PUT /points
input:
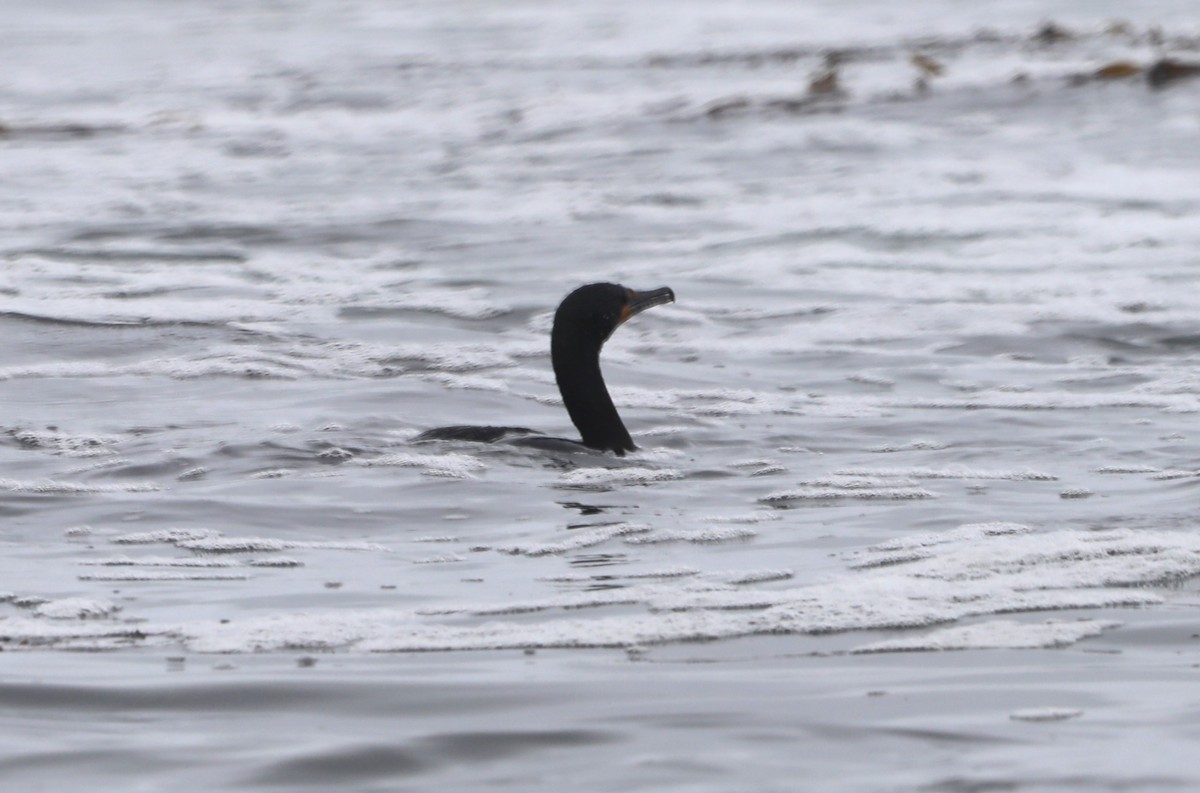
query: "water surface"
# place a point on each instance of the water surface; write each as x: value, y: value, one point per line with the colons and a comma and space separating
x: 915, y: 501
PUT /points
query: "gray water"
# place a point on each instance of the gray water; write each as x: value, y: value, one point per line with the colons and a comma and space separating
x: 915, y: 501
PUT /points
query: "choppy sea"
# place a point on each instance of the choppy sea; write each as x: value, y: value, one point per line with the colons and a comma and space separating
x: 916, y: 501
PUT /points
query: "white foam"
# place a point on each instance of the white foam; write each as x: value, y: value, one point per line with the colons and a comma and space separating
x: 248, y: 544
x: 273, y: 473
x: 33, y: 633
x: 711, y: 402
x: 655, y: 454
x: 967, y: 531
x: 707, y: 536
x: 468, y: 382
x: 663, y: 430
x: 753, y: 463
x: 68, y: 445
x: 446, y: 558
x: 164, y: 536
x: 755, y: 576
x: 914, y: 445
x: 99, y: 465
x: 51, y: 487
x: 156, y: 561
x: 567, y: 601
x: 888, y: 559
x: 949, y: 472
x: 215, y: 364
x: 665, y: 573
x: 1176, y: 474
x: 1118, y: 557
x: 606, y: 478
x: 576, y: 539
x: 76, y: 608
x: 759, y: 405
x: 769, y: 470
x: 163, y: 576
x: 841, y: 494
x: 852, y: 482
x: 982, y: 570
x: 452, y: 466
x: 995, y: 635
x: 761, y: 516
x: 1026, y: 235
x: 1055, y: 400
x: 1075, y: 492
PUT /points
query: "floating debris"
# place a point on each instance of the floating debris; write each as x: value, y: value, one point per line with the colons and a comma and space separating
x: 1169, y: 70
x: 1051, y: 33
x: 1117, y: 70
x: 825, y: 83
x: 926, y: 65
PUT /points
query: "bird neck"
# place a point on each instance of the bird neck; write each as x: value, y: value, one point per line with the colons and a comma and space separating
x: 577, y: 370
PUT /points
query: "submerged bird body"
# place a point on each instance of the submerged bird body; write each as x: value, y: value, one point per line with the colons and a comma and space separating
x: 584, y: 321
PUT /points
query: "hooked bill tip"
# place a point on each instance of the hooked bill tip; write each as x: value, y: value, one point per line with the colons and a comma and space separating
x: 640, y: 301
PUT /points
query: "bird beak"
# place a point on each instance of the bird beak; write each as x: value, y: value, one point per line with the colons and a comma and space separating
x: 640, y: 301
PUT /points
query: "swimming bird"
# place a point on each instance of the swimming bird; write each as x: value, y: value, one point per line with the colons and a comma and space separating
x: 584, y: 321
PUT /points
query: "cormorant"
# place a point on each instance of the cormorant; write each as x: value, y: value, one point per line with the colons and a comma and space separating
x: 584, y: 321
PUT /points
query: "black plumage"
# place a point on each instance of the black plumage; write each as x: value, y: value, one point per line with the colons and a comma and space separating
x: 583, y: 322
